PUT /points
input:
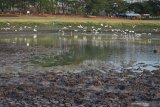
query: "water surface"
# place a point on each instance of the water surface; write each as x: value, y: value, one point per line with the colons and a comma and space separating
x: 75, y: 48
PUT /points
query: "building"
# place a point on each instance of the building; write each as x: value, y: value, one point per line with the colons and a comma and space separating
x: 133, y: 1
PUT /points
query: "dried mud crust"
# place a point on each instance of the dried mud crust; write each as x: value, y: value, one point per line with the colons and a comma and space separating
x: 85, y: 89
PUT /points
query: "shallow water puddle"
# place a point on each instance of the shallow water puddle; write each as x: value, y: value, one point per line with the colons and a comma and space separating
x: 55, y: 49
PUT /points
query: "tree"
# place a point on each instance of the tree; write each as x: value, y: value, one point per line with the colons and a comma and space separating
x: 147, y: 9
x: 2, y: 5
x: 78, y: 7
x: 93, y: 7
x: 155, y: 7
x: 115, y: 6
x: 136, y: 7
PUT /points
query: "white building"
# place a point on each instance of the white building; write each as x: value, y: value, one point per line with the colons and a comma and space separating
x: 133, y: 1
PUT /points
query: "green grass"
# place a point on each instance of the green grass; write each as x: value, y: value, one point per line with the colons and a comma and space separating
x: 58, y: 60
x: 77, y: 21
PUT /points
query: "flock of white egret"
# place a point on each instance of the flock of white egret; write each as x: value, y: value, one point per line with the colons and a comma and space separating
x: 9, y: 27
x: 96, y: 31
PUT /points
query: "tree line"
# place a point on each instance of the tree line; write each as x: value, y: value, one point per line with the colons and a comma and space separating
x: 78, y: 7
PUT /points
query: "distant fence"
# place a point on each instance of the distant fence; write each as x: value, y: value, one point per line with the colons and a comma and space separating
x: 151, y: 18
x: 141, y: 18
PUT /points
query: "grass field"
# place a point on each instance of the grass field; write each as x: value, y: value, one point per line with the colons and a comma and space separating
x: 47, y: 20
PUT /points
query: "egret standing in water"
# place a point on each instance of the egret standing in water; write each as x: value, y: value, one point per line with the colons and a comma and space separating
x: 80, y: 26
x: 75, y: 30
x: 35, y: 30
x: 69, y: 26
x: 156, y: 29
x: 149, y: 34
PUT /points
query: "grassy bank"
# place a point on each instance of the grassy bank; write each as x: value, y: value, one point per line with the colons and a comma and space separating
x: 58, y: 22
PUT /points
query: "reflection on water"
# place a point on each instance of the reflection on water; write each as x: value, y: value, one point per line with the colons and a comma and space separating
x: 116, y: 48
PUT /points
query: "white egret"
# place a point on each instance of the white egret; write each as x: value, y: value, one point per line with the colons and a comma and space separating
x: 8, y: 24
x: 155, y: 29
x: 133, y: 26
x: 99, y: 29
x: 144, y: 33
x: 80, y: 26
x: 138, y: 35
x: 149, y: 34
x: 65, y: 28
x: 76, y: 30
x: 126, y: 30
x: 130, y: 31
x: 35, y: 30
x: 106, y: 26
x: 112, y: 30
x: 20, y: 29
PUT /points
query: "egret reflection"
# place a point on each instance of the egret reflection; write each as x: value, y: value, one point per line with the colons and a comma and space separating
x: 108, y: 47
x: 27, y: 44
